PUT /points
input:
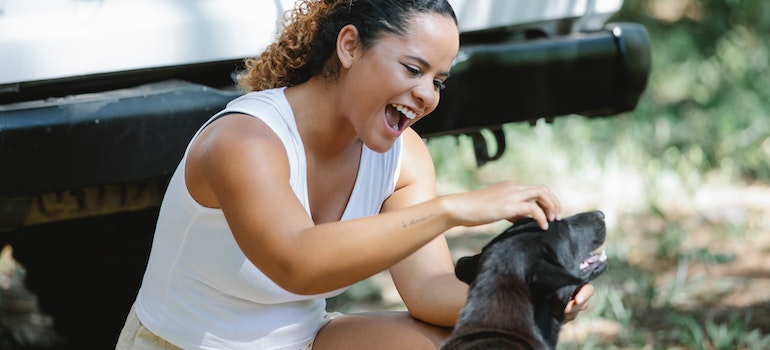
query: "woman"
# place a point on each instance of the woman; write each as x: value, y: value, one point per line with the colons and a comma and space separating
x: 314, y: 181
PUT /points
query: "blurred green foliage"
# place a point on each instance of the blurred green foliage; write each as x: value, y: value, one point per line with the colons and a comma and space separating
x: 708, y: 98
x: 706, y: 109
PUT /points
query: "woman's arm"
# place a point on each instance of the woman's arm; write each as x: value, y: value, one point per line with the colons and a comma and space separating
x: 239, y: 165
x: 425, y: 280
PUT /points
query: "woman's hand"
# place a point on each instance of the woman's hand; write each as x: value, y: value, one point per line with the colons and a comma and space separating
x: 505, y: 201
x: 579, y: 302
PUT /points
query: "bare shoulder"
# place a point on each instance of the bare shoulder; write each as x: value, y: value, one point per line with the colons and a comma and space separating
x: 233, y: 130
x: 229, y: 151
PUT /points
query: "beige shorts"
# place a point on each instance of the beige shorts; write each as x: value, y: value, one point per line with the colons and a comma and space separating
x: 135, y: 337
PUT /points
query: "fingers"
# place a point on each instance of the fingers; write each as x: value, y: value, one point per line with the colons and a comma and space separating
x: 583, y: 293
x: 505, y: 201
x: 540, y: 204
x: 550, y: 205
x: 539, y: 214
x: 573, y: 309
x: 579, y: 302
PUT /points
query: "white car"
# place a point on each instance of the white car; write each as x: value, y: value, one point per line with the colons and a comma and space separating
x: 48, y: 40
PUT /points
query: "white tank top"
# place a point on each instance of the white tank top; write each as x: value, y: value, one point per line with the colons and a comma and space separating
x: 199, y: 291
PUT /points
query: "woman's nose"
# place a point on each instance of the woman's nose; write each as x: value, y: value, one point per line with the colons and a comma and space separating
x: 426, y: 93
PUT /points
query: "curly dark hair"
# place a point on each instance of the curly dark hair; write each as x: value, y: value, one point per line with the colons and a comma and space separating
x: 307, y: 42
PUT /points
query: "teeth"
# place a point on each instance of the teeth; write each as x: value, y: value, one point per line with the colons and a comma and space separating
x: 405, y: 111
x: 601, y: 257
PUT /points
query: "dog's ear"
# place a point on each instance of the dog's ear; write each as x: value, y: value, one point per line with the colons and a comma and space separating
x: 522, y: 226
x: 547, y: 277
x: 467, y: 268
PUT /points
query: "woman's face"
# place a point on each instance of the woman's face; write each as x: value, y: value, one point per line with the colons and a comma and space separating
x: 397, y: 81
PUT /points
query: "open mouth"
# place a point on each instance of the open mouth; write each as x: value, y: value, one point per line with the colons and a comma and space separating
x: 398, y: 116
x: 594, y: 264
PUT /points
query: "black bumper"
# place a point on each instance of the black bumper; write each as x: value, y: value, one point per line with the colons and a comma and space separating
x: 139, y: 133
x: 593, y: 74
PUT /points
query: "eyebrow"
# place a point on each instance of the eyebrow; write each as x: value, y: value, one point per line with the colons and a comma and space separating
x: 425, y: 63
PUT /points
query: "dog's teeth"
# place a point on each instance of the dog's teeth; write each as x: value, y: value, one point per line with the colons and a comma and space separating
x: 593, y: 259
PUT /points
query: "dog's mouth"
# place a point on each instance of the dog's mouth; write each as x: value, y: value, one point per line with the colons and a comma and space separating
x: 593, y: 265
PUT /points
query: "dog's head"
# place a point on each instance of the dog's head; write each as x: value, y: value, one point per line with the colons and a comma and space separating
x: 553, y: 262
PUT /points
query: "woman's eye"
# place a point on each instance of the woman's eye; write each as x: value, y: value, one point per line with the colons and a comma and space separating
x: 412, y: 70
x: 415, y: 72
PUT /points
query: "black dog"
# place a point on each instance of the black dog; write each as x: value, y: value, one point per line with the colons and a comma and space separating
x: 521, y: 282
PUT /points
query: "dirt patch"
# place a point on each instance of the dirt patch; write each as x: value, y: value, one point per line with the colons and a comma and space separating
x: 708, y: 260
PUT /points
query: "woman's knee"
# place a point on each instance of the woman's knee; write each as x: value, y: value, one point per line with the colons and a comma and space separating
x: 379, y: 330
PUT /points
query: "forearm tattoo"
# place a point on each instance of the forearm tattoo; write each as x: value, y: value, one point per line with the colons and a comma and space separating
x: 414, y: 221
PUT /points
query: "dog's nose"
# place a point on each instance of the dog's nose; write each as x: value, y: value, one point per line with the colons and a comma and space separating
x: 597, y: 214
